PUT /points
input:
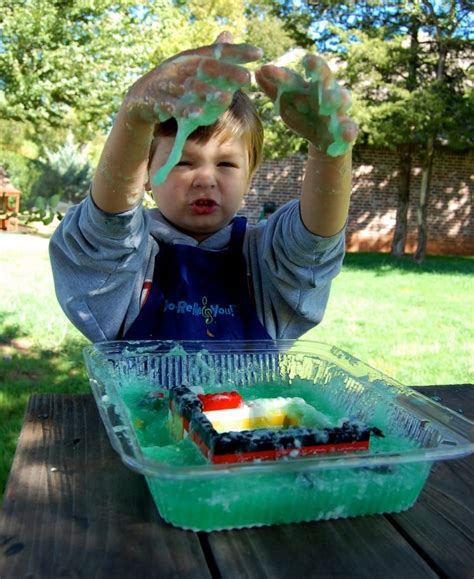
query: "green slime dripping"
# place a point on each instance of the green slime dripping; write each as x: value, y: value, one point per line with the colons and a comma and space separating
x: 327, y: 107
x: 212, y: 110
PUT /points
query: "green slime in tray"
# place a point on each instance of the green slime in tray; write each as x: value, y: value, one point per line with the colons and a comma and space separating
x: 225, y: 501
x: 152, y: 426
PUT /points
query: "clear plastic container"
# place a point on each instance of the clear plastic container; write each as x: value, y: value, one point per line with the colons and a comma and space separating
x: 194, y: 494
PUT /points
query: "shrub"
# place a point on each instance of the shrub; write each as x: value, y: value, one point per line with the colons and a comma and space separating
x: 65, y: 172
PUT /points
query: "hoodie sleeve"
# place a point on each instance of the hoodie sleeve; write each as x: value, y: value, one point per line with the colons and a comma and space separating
x: 95, y: 259
x: 291, y: 271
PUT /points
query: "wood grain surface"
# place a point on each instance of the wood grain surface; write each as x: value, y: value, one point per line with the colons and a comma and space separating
x: 72, y: 509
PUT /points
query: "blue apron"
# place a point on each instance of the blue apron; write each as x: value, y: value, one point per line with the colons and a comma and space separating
x: 198, y: 294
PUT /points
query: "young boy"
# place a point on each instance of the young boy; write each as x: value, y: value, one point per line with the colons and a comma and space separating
x: 191, y: 269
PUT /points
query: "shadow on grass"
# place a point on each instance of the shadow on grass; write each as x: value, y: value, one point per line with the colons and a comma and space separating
x: 27, y: 369
x: 384, y: 263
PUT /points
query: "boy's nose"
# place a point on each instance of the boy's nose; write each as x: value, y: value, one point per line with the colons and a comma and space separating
x: 205, y: 177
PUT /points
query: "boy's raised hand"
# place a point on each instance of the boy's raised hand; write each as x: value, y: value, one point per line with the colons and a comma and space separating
x: 315, y: 107
x: 193, y: 83
x: 195, y: 87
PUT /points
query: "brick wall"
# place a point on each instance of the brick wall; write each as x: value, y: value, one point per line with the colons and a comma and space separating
x: 374, y: 199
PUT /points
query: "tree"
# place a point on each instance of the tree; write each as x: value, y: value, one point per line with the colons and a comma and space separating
x: 65, y: 66
x: 444, y: 22
x: 383, y: 75
x: 407, y: 66
x: 296, y: 20
x: 62, y: 55
x: 267, y: 30
x: 65, y: 171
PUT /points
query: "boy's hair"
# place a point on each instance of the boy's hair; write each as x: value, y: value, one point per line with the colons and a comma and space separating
x: 240, y: 119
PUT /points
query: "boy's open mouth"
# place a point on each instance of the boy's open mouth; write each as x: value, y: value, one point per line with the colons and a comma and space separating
x: 203, y: 206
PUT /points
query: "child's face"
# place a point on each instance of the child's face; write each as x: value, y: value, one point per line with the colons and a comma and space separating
x: 206, y: 188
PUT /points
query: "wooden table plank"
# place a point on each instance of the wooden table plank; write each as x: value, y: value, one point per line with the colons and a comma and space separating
x: 435, y: 536
x: 72, y: 509
x: 458, y: 397
x: 444, y: 514
x: 359, y: 547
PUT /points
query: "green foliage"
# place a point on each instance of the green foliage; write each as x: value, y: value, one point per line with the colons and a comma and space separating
x: 65, y: 66
x: 407, y: 64
x: 408, y: 74
x: 65, y: 172
x: 57, y: 56
x: 267, y: 31
x: 460, y: 120
x: 63, y: 175
x: 296, y: 20
x: 17, y: 154
x: 22, y: 172
x: 280, y: 141
x: 42, y: 210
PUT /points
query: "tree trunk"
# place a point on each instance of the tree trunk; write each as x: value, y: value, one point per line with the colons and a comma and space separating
x: 405, y: 151
x: 401, y: 226
x: 420, y: 252
x: 421, y: 214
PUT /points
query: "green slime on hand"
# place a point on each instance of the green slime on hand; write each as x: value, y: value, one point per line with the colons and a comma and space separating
x: 212, y: 110
x: 329, y: 108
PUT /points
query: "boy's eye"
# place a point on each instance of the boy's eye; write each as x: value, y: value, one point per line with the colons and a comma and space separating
x: 183, y: 163
x: 227, y: 164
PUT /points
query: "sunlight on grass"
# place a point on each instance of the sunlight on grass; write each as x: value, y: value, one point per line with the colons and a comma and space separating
x: 410, y: 322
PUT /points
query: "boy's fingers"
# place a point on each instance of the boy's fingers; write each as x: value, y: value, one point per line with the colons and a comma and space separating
x: 189, y: 111
x: 346, y: 127
x: 217, y: 70
x: 191, y: 66
x: 164, y: 110
x: 232, y: 53
x: 166, y: 107
x: 346, y: 99
x: 198, y: 87
x: 205, y: 91
x: 184, y: 66
x: 349, y: 129
x: 281, y: 75
x: 301, y: 104
x: 170, y: 87
x: 270, y: 77
x: 330, y: 101
x: 266, y: 84
x: 317, y: 67
x: 224, y: 36
x: 219, y: 98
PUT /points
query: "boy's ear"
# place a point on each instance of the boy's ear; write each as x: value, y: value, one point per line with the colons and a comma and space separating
x: 148, y: 184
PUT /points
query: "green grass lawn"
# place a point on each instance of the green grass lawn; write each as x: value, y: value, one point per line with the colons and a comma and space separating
x: 414, y: 323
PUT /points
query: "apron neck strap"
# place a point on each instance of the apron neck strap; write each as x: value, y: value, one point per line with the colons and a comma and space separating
x: 239, y: 226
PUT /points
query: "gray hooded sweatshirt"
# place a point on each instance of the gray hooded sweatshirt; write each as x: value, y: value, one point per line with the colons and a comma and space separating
x: 101, y: 261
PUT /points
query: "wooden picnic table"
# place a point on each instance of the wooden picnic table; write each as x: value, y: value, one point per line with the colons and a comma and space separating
x: 72, y: 509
